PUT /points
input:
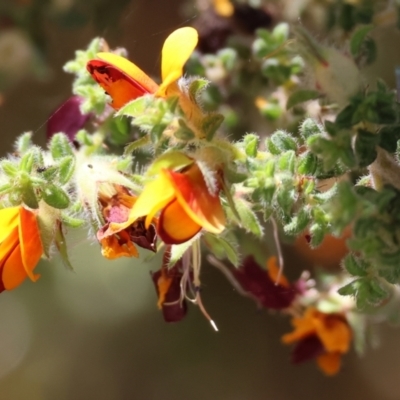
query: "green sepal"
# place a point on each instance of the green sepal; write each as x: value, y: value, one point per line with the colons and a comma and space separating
x: 173, y: 160
x: 250, y: 142
x: 301, y: 96
x: 298, y: 223
x: 210, y: 124
x: 178, y: 250
x: 287, y: 161
x: 9, y: 168
x: 317, y: 233
x: 283, y: 141
x: 66, y: 168
x: 61, y: 245
x: 358, y: 38
x: 137, y: 107
x: 137, y: 144
x: 27, y: 161
x: 365, y: 147
x: 196, y: 87
x: 55, y: 196
x: 23, y: 143
x: 27, y: 191
x: 184, y: 132
x: 389, y: 137
x: 222, y: 247
x: 248, y: 217
x: 307, y: 164
x: 60, y: 146
x: 72, y: 221
x: 6, y: 188
x: 355, y: 266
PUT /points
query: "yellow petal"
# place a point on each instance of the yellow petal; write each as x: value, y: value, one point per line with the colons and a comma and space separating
x: 175, y: 226
x: 155, y: 196
x: 30, y: 242
x: 8, y: 221
x: 177, y: 49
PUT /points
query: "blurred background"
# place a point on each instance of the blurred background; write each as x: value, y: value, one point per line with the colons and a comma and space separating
x: 96, y: 333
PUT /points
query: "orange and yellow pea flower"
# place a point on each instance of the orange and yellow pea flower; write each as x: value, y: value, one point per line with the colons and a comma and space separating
x: 186, y: 203
x: 331, y: 331
x: 20, y: 246
x: 124, y: 81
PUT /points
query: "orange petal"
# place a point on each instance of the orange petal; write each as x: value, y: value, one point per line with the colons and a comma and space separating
x: 13, y: 271
x: 334, y: 333
x: 224, y: 8
x: 274, y: 272
x: 193, y: 195
x: 175, y: 225
x: 329, y: 363
x: 30, y: 242
x: 120, y: 78
x: 303, y: 327
x: 177, y: 49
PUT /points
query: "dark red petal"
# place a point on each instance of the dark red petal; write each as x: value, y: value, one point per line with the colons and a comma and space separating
x: 256, y: 281
x: 173, y: 308
x: 67, y: 119
x: 307, y: 349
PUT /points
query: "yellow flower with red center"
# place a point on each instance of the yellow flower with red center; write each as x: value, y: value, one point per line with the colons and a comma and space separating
x: 187, y: 200
x: 20, y: 246
x: 322, y: 336
x: 124, y: 81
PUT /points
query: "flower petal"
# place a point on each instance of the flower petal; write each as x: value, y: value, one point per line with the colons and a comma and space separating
x: 175, y: 226
x: 30, y: 242
x: 156, y: 195
x: 194, y: 197
x: 120, y: 78
x: 329, y: 363
x: 8, y: 221
x: 13, y: 271
x: 307, y: 349
x: 334, y: 333
x: 177, y: 49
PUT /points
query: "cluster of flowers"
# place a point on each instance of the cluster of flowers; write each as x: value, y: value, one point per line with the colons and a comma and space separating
x: 185, y: 197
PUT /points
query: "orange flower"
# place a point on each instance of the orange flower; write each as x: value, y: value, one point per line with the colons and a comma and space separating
x: 224, y: 8
x: 20, y: 246
x: 124, y: 81
x: 322, y: 336
x: 187, y: 203
x: 120, y: 240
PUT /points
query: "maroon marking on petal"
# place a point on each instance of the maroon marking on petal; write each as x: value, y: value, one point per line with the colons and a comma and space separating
x: 67, y: 118
x: 256, y: 280
x: 307, y: 349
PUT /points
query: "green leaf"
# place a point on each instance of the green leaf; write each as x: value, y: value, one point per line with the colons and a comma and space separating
x: 365, y: 147
x: 184, y: 132
x: 388, y: 138
x: 358, y: 38
x: 137, y: 107
x: 137, y: 144
x: 27, y: 191
x: 222, y: 248
x: 23, y: 143
x: 66, y: 169
x: 210, y: 124
x: 9, y: 168
x: 178, y: 250
x: 283, y: 141
x: 55, y: 196
x: 60, y: 146
x: 301, y: 96
x: 170, y: 160
x: 354, y: 265
x: 250, y: 142
x: 307, y: 163
x: 298, y: 223
x: 196, y: 87
x: 248, y: 217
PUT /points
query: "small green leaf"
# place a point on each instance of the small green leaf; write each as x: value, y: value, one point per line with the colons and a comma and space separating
x: 210, y: 124
x: 55, y: 196
x: 9, y: 168
x: 178, y: 250
x: 222, y: 248
x: 250, y: 142
x: 137, y: 144
x: 358, y: 38
x: 66, y: 169
x: 301, y: 96
x: 60, y: 146
x: 23, y: 143
x: 283, y: 141
x: 27, y: 191
x: 355, y: 266
x: 170, y: 160
x: 248, y: 217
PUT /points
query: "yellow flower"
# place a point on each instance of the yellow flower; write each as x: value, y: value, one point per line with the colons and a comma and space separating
x: 20, y: 246
x: 124, y: 81
x: 187, y: 204
x: 324, y: 336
